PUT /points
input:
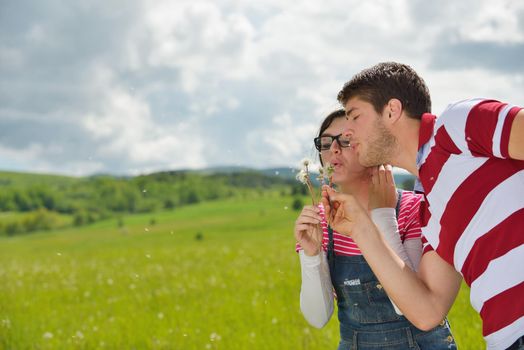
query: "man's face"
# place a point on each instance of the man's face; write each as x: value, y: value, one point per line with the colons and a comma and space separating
x: 370, y: 137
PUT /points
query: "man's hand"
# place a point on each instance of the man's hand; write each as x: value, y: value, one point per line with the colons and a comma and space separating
x: 343, y: 211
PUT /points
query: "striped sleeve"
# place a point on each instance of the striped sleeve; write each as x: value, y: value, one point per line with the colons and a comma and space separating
x: 409, y: 216
x: 426, y: 247
x: 480, y: 128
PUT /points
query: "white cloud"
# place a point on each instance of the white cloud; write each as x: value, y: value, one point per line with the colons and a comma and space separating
x: 175, y: 84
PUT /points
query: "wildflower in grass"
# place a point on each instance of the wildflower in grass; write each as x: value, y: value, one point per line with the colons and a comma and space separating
x: 79, y: 335
x: 6, y: 323
x: 47, y: 335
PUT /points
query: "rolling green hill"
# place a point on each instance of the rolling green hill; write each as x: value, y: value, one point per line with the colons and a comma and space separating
x: 214, y: 275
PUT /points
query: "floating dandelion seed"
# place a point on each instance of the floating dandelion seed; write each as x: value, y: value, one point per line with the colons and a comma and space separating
x: 160, y: 315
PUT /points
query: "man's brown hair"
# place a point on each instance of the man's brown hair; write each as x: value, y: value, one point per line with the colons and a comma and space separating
x: 384, y: 81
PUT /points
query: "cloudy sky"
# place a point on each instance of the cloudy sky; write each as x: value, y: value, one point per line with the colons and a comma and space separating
x: 135, y: 86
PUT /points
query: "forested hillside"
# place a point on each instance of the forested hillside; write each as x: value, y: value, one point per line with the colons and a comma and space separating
x: 30, y: 202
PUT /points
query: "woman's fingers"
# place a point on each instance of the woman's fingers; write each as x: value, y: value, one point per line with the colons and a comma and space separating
x: 303, y: 219
x: 389, y: 175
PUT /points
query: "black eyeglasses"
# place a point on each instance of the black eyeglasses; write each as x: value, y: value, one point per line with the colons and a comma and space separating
x: 323, y: 143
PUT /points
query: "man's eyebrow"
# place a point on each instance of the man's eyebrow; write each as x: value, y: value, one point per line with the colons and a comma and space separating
x: 349, y: 111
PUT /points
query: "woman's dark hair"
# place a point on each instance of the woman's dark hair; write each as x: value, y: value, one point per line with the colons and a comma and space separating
x: 339, y: 113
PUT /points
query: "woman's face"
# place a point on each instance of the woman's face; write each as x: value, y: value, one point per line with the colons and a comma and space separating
x: 344, y: 159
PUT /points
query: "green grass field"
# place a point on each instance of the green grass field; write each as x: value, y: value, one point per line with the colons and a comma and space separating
x: 156, y: 286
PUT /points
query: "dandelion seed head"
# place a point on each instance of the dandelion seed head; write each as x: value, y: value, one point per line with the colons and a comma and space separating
x: 302, y: 176
x: 305, y: 162
x: 329, y: 169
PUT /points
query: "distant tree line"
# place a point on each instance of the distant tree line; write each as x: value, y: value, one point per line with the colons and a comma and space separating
x: 86, y: 200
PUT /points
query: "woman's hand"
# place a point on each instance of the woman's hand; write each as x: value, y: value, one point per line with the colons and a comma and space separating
x: 382, y: 190
x: 343, y: 211
x: 308, y: 232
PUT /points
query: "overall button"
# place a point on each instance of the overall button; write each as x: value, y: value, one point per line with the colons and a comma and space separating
x: 379, y: 286
x: 449, y: 338
x: 443, y: 322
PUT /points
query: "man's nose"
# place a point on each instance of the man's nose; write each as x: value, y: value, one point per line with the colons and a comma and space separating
x: 348, y: 133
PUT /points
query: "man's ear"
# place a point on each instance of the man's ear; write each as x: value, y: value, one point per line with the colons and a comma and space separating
x: 393, y: 111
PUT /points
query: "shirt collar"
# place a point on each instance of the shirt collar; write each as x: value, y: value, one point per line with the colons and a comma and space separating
x: 427, y: 123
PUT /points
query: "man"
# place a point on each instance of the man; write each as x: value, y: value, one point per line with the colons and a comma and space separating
x: 470, y: 164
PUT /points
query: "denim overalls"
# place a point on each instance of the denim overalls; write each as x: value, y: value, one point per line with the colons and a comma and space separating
x: 367, y: 317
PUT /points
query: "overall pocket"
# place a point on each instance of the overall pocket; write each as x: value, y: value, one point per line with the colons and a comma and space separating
x: 367, y: 303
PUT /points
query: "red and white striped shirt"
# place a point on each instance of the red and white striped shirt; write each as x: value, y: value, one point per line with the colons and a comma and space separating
x: 408, y: 225
x: 473, y: 216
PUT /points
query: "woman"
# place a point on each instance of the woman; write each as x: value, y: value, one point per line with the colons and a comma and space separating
x: 329, y: 260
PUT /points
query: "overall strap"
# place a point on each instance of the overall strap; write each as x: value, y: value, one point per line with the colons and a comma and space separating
x: 397, y: 208
x: 331, y: 248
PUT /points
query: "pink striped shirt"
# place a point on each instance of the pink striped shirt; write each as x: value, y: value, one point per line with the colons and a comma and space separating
x: 408, y: 224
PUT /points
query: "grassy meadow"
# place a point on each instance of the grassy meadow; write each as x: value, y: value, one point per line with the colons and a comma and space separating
x: 215, y: 275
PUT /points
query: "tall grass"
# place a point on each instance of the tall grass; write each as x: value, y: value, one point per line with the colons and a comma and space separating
x: 219, y: 275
